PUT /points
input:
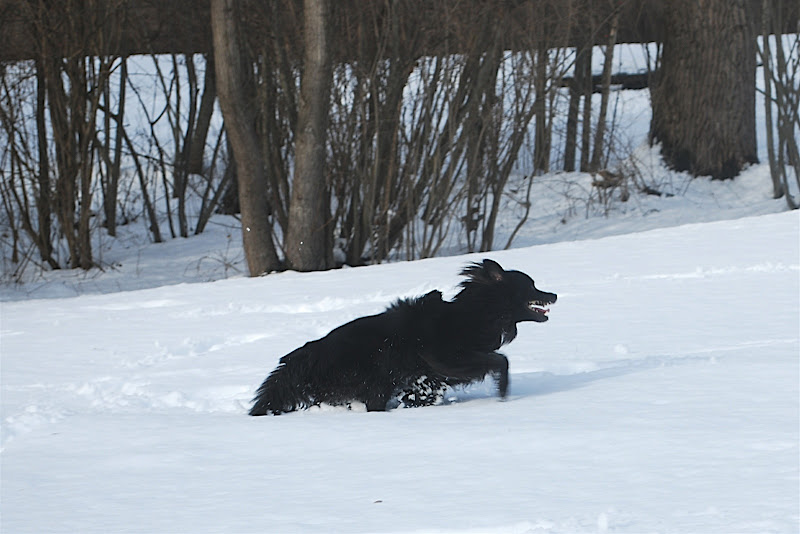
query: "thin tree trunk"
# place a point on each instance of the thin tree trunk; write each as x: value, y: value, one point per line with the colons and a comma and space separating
x: 600, y: 132
x: 788, y: 119
x: 114, y: 171
x: 586, y: 127
x: 541, y: 151
x: 259, y: 248
x: 575, y: 89
x: 66, y: 151
x: 766, y: 60
x: 307, y: 243
x: 43, y: 210
x: 148, y: 205
x: 198, y: 143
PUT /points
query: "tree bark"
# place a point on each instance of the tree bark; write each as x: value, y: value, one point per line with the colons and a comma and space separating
x: 586, y: 120
x: 541, y: 145
x: 114, y: 167
x: 576, y: 89
x: 44, y: 204
x: 307, y: 243
x: 703, y: 97
x: 259, y: 248
x: 600, y: 132
x: 204, y: 113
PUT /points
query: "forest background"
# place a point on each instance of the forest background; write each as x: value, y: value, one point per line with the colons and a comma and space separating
x: 346, y: 133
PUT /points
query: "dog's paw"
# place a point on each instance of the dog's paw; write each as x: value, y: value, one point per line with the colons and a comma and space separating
x: 423, y: 391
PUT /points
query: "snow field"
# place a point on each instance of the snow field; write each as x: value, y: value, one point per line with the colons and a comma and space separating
x: 662, y: 396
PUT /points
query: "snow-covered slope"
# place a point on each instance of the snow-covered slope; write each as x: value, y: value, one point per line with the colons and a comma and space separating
x: 662, y: 396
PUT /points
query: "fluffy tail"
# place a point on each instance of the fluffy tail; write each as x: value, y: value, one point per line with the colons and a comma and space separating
x: 285, y: 389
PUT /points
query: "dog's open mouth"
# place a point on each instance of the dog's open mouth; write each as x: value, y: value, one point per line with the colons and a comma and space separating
x: 539, y: 306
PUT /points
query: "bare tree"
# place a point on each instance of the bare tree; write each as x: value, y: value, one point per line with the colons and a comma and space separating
x: 379, y: 132
x: 600, y: 131
x: 111, y: 177
x: 781, y: 103
x: 256, y: 227
x: 307, y: 243
x: 73, y: 82
x: 577, y: 88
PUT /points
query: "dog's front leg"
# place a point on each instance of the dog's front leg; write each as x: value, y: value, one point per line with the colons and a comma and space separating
x: 470, y: 366
x: 376, y: 401
x: 501, y: 373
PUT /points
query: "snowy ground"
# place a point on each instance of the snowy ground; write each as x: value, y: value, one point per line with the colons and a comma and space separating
x: 662, y: 396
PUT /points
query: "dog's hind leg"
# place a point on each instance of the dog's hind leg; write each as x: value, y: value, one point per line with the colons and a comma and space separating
x: 287, y: 387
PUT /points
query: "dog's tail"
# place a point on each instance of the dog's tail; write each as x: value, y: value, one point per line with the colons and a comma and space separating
x: 286, y: 388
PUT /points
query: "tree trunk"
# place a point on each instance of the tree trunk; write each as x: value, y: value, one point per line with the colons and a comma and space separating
x: 200, y: 133
x: 586, y: 120
x: 307, y: 242
x: 576, y: 89
x: 44, y: 204
x: 112, y: 189
x: 259, y: 248
x: 703, y: 97
x: 600, y: 132
x: 541, y: 150
x: 766, y: 60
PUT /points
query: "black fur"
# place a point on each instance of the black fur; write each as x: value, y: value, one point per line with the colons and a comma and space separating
x: 410, y: 353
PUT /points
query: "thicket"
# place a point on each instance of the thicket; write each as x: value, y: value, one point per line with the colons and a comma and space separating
x: 427, y: 124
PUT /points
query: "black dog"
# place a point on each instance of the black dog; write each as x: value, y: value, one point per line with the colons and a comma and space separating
x: 409, y: 354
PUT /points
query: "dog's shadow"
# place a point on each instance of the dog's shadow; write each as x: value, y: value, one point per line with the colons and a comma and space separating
x: 534, y: 384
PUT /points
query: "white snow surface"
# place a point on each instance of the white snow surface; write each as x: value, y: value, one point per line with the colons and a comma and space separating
x: 662, y: 395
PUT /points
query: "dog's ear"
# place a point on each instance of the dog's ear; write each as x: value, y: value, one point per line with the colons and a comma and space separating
x: 493, y: 270
x: 487, y: 272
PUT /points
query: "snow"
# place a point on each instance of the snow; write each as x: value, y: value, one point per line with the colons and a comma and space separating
x: 662, y: 396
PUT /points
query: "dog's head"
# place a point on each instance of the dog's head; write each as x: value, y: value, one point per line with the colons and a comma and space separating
x: 513, y: 290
